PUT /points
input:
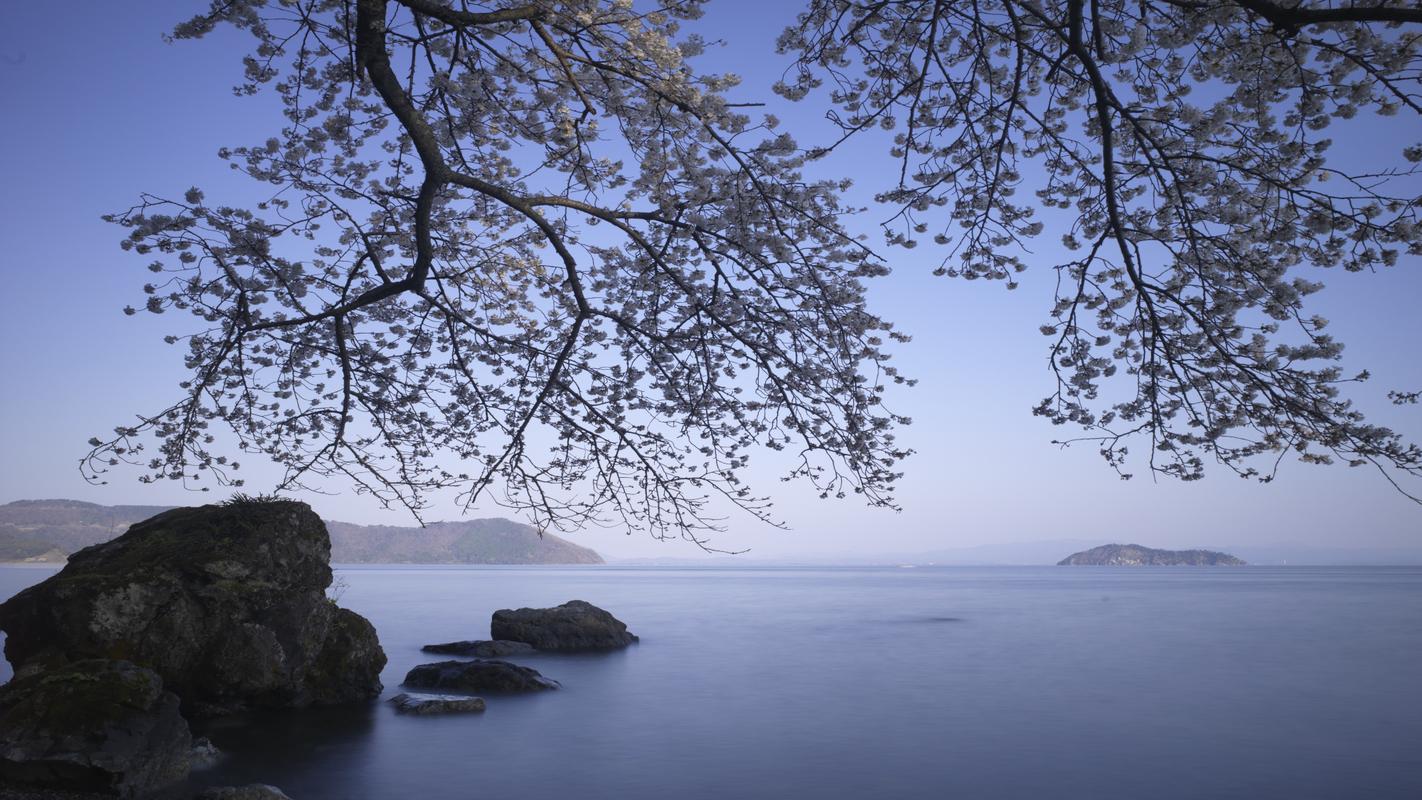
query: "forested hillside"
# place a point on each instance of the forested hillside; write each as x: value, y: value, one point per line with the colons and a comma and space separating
x: 49, y: 530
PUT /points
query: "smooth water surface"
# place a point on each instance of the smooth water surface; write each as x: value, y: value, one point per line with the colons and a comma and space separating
x: 1033, y: 682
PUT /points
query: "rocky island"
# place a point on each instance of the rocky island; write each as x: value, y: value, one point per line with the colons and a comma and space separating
x: 1134, y: 555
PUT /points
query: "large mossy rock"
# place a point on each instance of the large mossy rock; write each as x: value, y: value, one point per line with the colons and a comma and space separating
x: 100, y: 728
x: 575, y: 625
x: 227, y: 603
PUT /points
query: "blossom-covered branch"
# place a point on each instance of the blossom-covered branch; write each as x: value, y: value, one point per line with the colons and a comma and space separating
x: 522, y: 251
x: 1184, y: 145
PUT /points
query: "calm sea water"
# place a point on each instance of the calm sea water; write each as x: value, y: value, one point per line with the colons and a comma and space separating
x: 887, y: 683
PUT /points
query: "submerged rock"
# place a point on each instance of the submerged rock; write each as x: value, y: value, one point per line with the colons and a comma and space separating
x: 252, y: 791
x: 478, y: 676
x: 227, y: 603
x: 575, y: 625
x: 436, y: 704
x: 480, y: 648
x: 98, y: 727
x: 204, y: 753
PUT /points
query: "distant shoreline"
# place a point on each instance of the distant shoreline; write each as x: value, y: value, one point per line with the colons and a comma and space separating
x: 47, y: 531
x: 766, y: 566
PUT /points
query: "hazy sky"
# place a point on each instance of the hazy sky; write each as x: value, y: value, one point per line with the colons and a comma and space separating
x: 100, y: 108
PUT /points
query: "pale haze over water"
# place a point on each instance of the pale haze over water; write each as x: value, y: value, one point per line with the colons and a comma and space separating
x: 978, y: 682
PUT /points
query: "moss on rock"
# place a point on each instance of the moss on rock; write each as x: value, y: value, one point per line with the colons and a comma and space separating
x: 92, y: 726
x: 227, y: 603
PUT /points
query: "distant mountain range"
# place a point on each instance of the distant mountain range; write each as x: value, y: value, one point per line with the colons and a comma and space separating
x: 470, y: 541
x: 49, y: 530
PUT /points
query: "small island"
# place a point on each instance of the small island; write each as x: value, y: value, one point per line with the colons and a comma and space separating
x: 1134, y: 555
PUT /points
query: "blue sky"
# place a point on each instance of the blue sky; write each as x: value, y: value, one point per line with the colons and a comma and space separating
x: 100, y: 108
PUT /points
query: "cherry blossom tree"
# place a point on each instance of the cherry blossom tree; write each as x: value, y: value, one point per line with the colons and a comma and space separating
x: 527, y: 239
x: 1185, y: 146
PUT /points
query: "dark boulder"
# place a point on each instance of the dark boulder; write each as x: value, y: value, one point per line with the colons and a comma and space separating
x: 575, y: 625
x: 422, y: 705
x: 477, y: 676
x: 227, y: 603
x: 348, y: 666
x: 96, y: 728
x: 480, y: 648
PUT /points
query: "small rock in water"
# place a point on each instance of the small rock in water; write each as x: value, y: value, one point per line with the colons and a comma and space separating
x: 478, y: 676
x: 435, y: 704
x: 480, y: 648
x: 252, y: 791
x: 575, y: 625
x: 204, y: 753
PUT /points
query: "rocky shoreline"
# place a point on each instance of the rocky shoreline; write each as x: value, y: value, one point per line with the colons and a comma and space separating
x: 198, y: 613
x: 192, y: 614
